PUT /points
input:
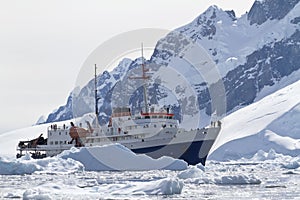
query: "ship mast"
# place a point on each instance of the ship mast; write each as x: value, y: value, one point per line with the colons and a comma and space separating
x: 144, y: 77
x: 96, y: 96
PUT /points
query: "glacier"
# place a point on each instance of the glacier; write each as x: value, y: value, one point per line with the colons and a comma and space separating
x: 270, y: 123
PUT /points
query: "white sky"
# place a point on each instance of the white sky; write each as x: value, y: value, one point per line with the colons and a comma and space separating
x: 44, y: 43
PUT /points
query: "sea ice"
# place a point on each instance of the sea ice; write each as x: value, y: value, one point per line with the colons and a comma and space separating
x: 35, y: 194
x: 292, y: 164
x: 27, y: 165
x: 191, y: 172
x: 166, y: 186
x: 237, y: 180
x: 117, y: 157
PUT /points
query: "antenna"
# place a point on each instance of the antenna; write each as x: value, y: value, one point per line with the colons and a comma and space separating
x: 144, y: 78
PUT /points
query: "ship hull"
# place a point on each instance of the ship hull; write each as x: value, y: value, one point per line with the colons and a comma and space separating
x: 192, y: 152
x: 191, y: 146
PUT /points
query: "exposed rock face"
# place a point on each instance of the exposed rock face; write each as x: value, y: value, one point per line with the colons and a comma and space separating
x: 263, y: 10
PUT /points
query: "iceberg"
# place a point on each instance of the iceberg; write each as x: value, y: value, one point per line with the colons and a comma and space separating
x: 116, y: 157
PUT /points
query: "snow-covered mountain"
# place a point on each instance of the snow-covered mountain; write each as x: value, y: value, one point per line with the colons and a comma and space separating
x: 252, y: 53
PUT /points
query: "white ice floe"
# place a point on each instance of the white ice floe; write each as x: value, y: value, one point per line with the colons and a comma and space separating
x: 109, y: 157
x: 33, y: 194
x: 292, y: 164
x: 191, y: 172
x: 239, y: 179
x: 221, y: 175
x: 263, y: 156
x: 167, y: 186
x: 273, y: 158
x: 118, y: 157
x: 27, y: 165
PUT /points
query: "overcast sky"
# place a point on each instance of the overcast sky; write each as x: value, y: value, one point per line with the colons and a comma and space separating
x: 44, y: 43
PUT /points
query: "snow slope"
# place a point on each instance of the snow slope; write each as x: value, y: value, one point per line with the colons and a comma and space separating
x: 271, y: 123
x: 233, y: 39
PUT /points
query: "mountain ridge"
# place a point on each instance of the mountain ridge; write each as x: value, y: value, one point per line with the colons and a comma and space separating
x: 249, y: 56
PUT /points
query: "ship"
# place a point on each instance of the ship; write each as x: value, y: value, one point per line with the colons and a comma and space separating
x: 153, y: 131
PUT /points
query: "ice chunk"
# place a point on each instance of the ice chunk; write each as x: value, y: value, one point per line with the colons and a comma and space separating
x: 237, y: 180
x: 117, y: 157
x: 262, y: 156
x: 167, y: 186
x: 200, y: 166
x: 35, y: 194
x: 12, y: 196
x: 191, y: 172
x: 292, y: 164
x: 27, y: 165
x: 17, y: 167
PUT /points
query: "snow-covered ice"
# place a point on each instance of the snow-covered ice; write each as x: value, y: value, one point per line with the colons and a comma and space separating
x: 165, y: 186
x: 266, y: 175
x: 237, y: 180
x: 113, y: 157
x: 270, y: 123
x: 118, y: 157
x: 28, y: 165
x: 191, y: 172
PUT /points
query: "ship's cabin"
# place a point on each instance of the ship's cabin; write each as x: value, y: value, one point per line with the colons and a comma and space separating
x: 58, y: 135
x: 123, y: 122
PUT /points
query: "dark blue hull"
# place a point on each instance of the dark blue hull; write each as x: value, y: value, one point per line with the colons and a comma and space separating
x: 192, y: 152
